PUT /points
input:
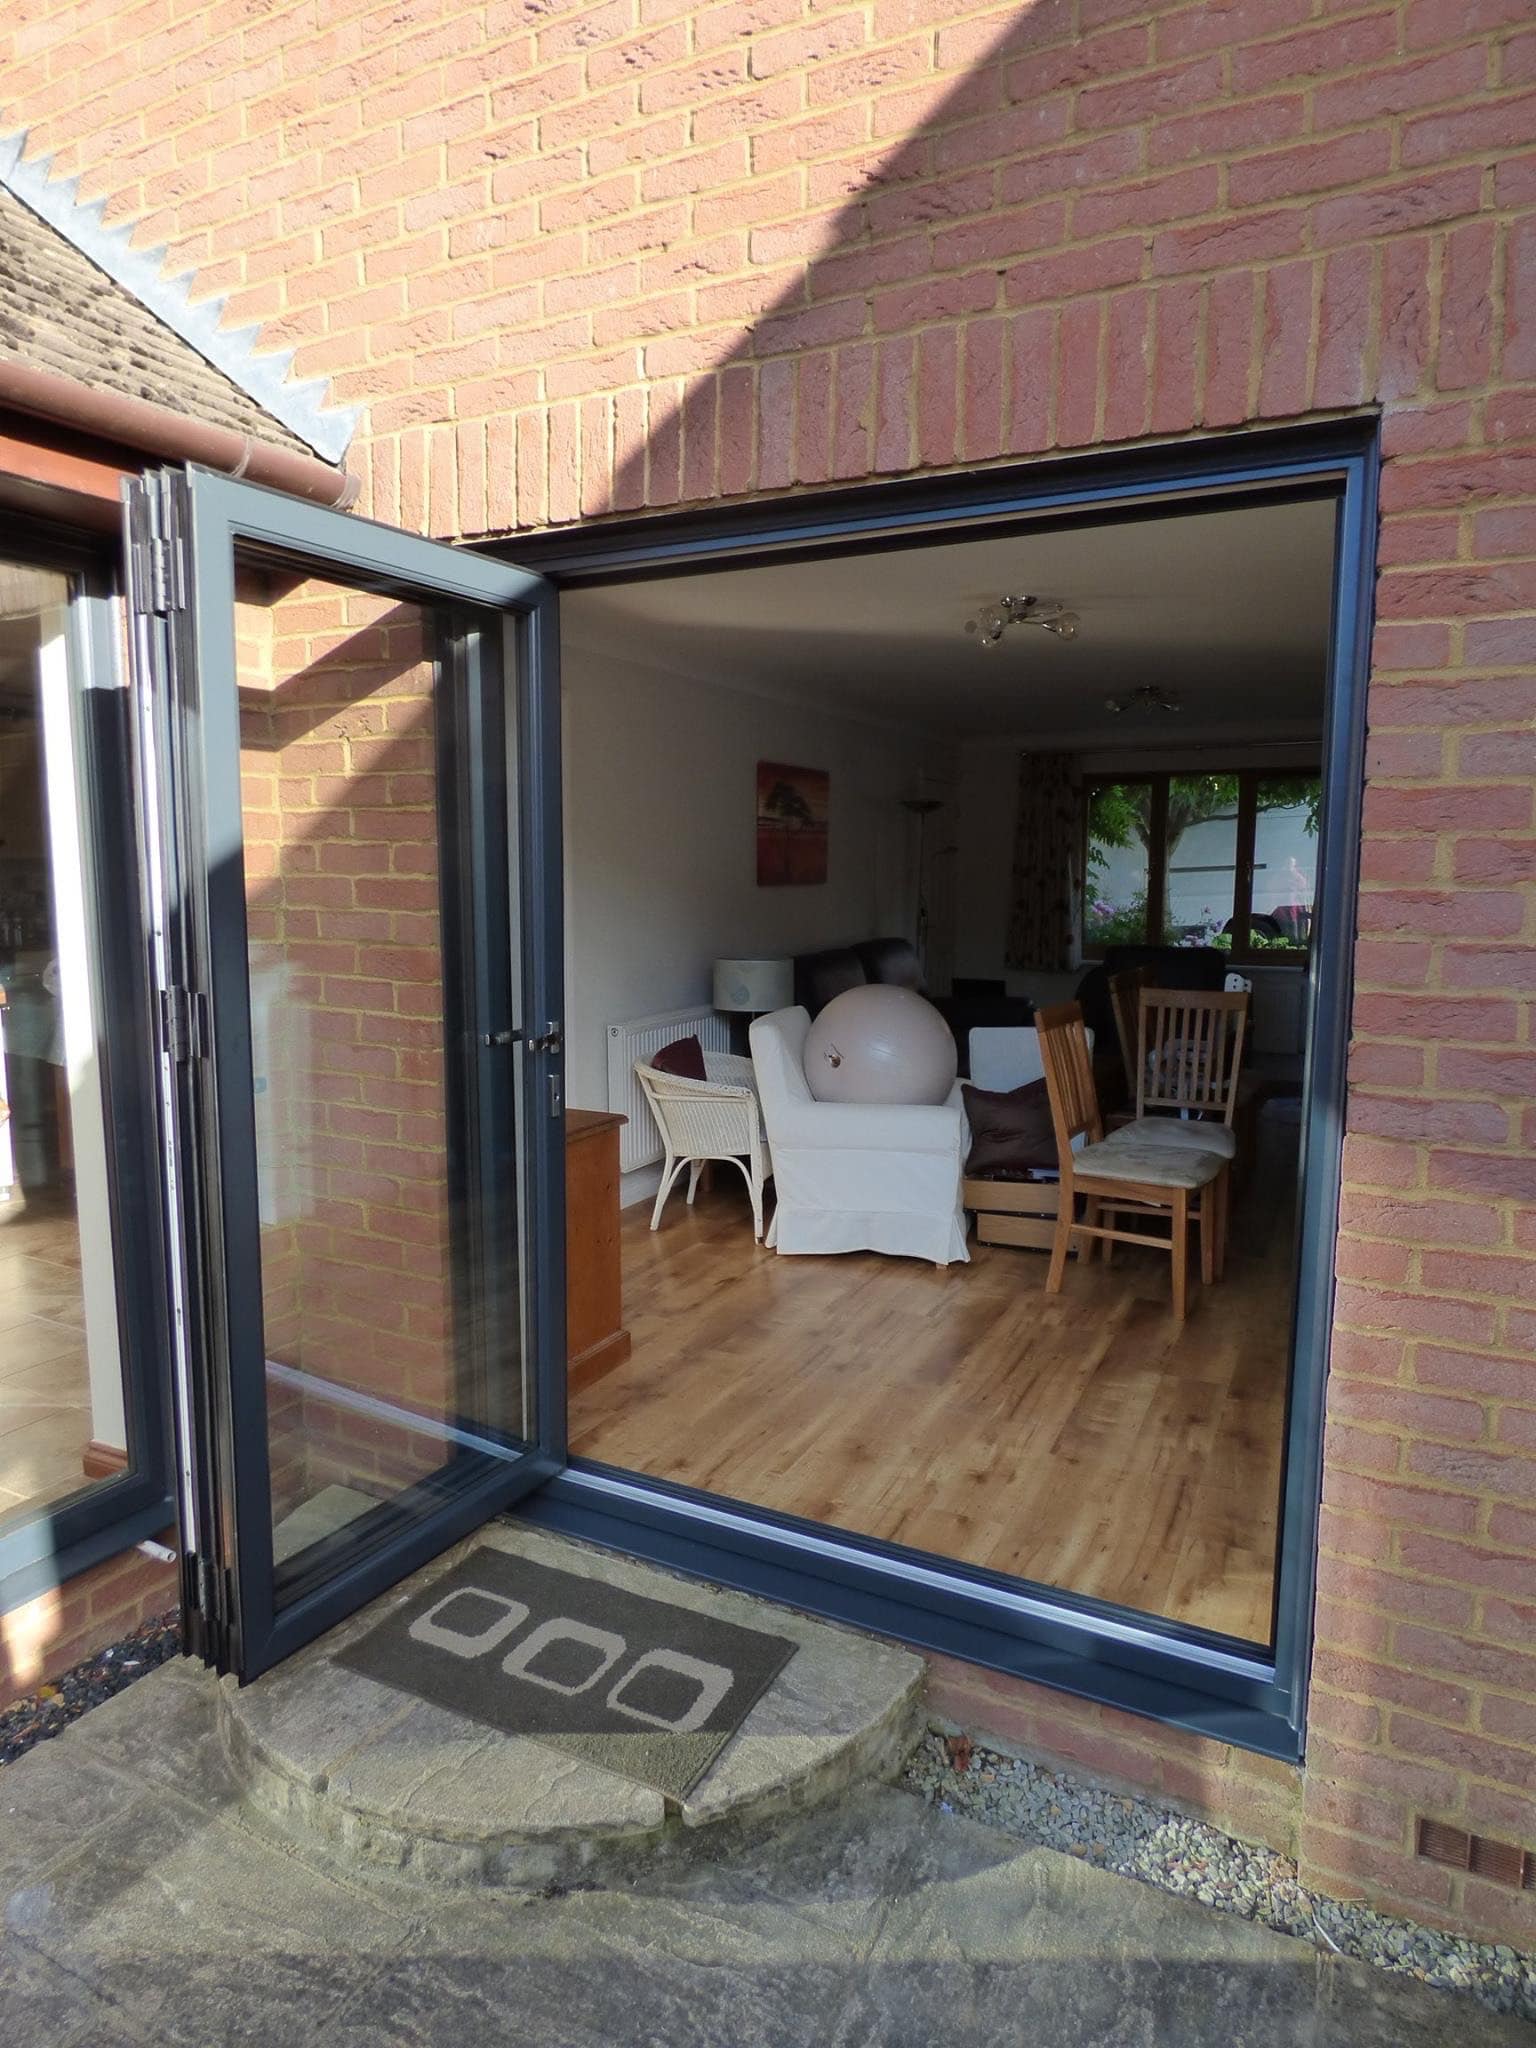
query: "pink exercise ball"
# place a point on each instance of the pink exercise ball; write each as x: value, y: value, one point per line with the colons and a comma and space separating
x: 878, y: 1043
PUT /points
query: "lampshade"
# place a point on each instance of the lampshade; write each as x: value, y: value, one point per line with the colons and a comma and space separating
x: 756, y: 986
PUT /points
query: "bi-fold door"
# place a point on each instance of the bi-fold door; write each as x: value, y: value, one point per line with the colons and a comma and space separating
x: 349, y: 752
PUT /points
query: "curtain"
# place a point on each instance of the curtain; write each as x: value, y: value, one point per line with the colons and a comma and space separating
x: 1043, y: 904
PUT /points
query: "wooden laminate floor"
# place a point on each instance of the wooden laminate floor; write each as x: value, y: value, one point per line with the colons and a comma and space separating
x: 1084, y: 1441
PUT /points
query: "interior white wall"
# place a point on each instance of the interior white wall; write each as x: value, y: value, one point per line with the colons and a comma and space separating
x: 660, y: 844
x: 986, y: 797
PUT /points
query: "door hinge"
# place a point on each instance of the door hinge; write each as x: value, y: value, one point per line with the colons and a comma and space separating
x: 184, y: 1023
x: 159, y: 579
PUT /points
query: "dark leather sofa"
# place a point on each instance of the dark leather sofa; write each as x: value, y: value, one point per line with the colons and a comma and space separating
x: 821, y: 976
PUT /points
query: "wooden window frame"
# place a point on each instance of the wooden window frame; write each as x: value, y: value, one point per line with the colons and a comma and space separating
x: 1159, y: 780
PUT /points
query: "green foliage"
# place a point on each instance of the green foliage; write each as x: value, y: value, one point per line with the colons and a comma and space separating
x: 1115, y: 924
x: 1120, y: 812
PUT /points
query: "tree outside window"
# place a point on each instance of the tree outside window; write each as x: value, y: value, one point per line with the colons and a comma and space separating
x: 1225, y: 860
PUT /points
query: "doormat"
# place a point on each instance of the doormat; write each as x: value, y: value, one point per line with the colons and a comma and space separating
x: 649, y: 1690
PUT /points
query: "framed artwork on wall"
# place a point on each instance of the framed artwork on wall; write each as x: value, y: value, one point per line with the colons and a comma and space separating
x: 791, y: 824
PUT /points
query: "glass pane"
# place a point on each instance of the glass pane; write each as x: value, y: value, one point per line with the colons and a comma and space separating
x: 1115, y: 895
x: 1202, y: 860
x: 389, y: 1374
x: 1285, y: 862
x: 62, y: 1419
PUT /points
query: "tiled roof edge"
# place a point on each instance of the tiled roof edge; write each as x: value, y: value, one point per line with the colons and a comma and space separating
x: 264, y: 377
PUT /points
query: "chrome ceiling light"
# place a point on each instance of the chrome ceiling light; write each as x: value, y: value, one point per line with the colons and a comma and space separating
x: 990, y: 624
x: 1147, y: 700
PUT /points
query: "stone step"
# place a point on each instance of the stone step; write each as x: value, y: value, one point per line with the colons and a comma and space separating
x: 373, y: 1777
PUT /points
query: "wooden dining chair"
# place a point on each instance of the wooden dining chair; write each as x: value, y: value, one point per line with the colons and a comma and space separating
x: 1189, y: 1061
x: 1129, y: 1174
x: 1125, y: 1000
x: 1189, y: 1052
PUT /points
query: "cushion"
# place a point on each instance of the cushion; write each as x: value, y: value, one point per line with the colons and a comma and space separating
x: 684, y: 1057
x: 1185, y: 1133
x: 1011, y: 1132
x: 1157, y: 1166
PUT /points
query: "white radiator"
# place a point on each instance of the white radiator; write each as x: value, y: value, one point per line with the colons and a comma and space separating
x: 640, y: 1141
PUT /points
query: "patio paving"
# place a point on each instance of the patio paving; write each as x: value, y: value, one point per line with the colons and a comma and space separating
x: 144, y: 1905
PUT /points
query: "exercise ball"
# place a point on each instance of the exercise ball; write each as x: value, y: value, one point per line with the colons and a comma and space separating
x: 879, y: 1044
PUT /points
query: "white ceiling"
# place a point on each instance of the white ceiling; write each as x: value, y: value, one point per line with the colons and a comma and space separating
x: 1227, y: 607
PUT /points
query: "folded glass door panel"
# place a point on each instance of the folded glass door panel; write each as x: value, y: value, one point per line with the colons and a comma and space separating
x: 354, y: 731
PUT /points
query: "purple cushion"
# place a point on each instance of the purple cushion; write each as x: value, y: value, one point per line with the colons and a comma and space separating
x: 684, y: 1057
x: 1011, y: 1132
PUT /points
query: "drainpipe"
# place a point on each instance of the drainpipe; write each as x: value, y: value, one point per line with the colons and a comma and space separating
x: 171, y: 436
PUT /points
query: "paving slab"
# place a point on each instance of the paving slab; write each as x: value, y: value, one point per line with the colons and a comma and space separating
x: 871, y: 1922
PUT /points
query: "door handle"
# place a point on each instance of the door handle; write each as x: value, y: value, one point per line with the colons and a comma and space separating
x: 551, y: 1040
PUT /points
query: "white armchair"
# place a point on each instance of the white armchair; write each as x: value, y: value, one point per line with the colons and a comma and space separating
x: 716, y: 1118
x: 852, y: 1176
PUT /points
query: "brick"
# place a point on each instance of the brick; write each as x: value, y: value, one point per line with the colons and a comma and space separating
x: 1046, y: 172
x: 1413, y: 1507
x: 1352, y: 46
x: 1375, y: 1163
x: 1172, y: 90
x: 1152, y: 203
x: 1386, y: 1875
x: 1394, y: 1594
x: 1309, y: 167
x: 1417, y: 1315
x: 893, y: 414
x: 1127, y: 348
x: 1227, y: 130
x: 937, y: 396
x: 1228, y: 350
x: 1466, y: 307
x: 1032, y: 354
x: 1397, y: 209
x: 1385, y: 89
x: 1474, y: 1566
x: 1078, y: 372
x: 1436, y: 1016
x: 851, y: 449
x: 1286, y: 339
x: 1049, y: 278
x: 1227, y: 245
x: 1518, y: 263
x: 983, y: 389
x: 1496, y: 123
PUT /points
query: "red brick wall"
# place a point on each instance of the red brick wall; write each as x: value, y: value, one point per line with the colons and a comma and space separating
x: 62, y: 1627
x: 338, y: 793
x: 582, y: 257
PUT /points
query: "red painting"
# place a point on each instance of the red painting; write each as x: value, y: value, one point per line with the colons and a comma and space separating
x: 791, y: 824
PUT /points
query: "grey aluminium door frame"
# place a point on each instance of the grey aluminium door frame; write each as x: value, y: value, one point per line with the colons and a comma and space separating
x: 1218, y: 1687
x: 497, y: 661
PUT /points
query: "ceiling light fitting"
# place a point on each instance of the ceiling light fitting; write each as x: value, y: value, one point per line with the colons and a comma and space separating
x: 1146, y: 701
x: 1050, y: 613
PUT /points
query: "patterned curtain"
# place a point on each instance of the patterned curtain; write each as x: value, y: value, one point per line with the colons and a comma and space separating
x: 1042, y: 921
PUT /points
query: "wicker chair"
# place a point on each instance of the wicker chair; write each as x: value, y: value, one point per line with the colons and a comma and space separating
x: 716, y: 1118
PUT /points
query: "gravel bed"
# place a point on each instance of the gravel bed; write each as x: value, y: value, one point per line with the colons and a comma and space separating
x: 1136, y: 1838
x: 50, y: 1709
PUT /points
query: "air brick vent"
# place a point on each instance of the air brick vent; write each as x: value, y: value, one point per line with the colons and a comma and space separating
x: 1499, y: 1862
